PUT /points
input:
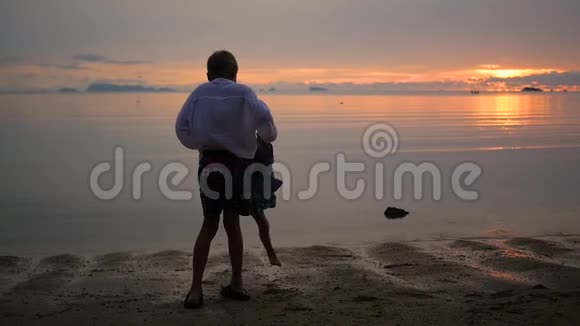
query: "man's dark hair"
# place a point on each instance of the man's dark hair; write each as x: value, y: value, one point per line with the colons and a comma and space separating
x: 222, y: 64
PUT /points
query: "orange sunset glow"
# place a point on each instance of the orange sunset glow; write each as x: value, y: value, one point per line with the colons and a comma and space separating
x: 348, y: 47
x: 186, y: 75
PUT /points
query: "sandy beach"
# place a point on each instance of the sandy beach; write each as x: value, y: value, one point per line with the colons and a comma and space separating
x: 474, y: 281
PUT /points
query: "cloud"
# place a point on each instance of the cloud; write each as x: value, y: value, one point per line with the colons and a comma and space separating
x: 552, y: 79
x: 71, y: 66
x: 15, y: 61
x: 95, y: 58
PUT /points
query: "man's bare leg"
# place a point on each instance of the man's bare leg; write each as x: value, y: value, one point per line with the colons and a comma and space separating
x: 236, y: 247
x: 264, y: 229
x: 200, y: 254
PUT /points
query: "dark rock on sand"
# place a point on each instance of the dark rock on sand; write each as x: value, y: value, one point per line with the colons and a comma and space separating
x: 394, y: 213
x: 539, y: 286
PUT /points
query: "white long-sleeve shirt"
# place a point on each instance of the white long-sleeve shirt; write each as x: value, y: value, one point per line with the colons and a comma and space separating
x: 224, y: 115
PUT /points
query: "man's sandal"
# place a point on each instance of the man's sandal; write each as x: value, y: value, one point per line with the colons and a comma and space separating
x: 228, y: 292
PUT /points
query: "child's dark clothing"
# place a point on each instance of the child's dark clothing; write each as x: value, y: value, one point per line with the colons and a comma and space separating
x: 260, y: 199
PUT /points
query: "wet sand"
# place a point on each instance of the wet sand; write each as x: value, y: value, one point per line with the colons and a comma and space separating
x: 477, y: 281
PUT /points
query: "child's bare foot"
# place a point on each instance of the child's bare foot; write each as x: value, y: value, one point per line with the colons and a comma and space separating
x: 274, y: 261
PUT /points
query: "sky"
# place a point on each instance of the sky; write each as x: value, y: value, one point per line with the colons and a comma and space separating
x: 342, y: 44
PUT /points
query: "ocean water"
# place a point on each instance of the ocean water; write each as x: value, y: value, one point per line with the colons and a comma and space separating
x: 527, y: 146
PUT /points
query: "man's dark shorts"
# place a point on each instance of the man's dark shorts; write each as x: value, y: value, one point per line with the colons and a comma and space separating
x: 222, y: 196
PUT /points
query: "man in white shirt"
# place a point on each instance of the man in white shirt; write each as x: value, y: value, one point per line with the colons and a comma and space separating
x: 220, y: 120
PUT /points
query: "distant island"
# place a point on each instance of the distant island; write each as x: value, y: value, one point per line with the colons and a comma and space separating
x: 67, y: 90
x: 532, y: 89
x: 317, y: 89
x: 270, y: 90
x: 108, y: 87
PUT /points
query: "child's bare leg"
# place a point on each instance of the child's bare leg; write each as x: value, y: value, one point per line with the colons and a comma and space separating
x: 200, y: 253
x: 264, y: 228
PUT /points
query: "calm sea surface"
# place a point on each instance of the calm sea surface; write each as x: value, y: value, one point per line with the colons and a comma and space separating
x: 528, y: 146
